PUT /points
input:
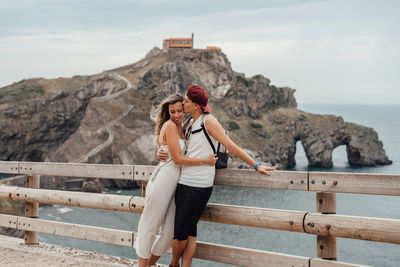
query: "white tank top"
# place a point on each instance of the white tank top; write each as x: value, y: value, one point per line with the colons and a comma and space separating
x: 198, y: 147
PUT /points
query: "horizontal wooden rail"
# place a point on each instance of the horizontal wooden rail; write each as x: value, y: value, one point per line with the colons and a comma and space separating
x: 106, y: 171
x: 314, y: 262
x: 372, y: 229
x: 10, y: 167
x: 364, y: 228
x: 246, y: 257
x: 358, y: 183
x: 75, y: 199
x: 380, y: 230
x: 207, y: 251
x: 98, y: 234
x: 257, y: 258
x: 92, y: 233
x: 286, y: 220
x: 287, y: 180
x: 9, y: 221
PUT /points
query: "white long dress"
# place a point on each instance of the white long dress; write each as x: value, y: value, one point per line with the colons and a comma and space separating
x: 159, y: 209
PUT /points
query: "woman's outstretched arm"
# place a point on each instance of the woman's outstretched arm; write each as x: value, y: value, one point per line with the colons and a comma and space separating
x: 215, y: 129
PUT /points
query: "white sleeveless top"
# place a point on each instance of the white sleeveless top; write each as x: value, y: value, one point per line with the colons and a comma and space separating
x: 198, y: 147
x: 169, y: 166
x: 182, y: 146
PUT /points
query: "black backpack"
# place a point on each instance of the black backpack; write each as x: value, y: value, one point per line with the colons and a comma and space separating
x: 222, y: 155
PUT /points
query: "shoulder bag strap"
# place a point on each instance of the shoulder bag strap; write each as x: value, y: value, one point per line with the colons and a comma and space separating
x: 206, y: 134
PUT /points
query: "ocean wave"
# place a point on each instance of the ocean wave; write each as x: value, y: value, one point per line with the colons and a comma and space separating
x: 64, y: 210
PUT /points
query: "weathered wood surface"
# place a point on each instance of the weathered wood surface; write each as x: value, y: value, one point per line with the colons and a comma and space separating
x: 383, y: 230
x: 251, y: 178
x: 326, y: 202
x: 144, y: 187
x: 372, y: 229
x: 254, y: 217
x: 142, y: 172
x: 9, y: 221
x: 7, y: 191
x: 244, y: 178
x: 228, y: 214
x: 326, y: 227
x: 86, y: 232
x: 67, y: 198
x: 136, y: 204
x: 359, y: 183
x: 208, y: 251
x: 246, y: 257
x: 74, y: 199
x: 106, y: 171
x: 251, y: 257
x: 9, y: 167
x: 92, y: 233
x: 314, y: 262
x: 326, y: 245
x: 32, y: 209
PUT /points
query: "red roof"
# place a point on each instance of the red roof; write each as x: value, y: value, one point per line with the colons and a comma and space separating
x: 213, y: 48
x: 180, y: 45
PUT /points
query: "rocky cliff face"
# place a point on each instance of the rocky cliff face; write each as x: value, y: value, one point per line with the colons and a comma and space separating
x: 104, y: 118
x: 32, y: 127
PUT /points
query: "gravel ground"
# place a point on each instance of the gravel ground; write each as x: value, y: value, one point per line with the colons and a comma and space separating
x: 14, y: 253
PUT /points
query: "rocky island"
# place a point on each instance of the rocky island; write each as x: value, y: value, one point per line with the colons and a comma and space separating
x: 104, y: 118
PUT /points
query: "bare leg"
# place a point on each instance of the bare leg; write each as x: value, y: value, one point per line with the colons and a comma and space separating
x: 189, y: 251
x: 152, y: 260
x: 142, y: 262
x: 177, y: 249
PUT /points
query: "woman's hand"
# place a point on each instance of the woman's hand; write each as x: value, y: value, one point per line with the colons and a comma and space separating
x: 162, y: 155
x: 212, y: 159
x: 265, y: 169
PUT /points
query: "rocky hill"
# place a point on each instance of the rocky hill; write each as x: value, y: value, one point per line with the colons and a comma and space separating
x: 104, y: 118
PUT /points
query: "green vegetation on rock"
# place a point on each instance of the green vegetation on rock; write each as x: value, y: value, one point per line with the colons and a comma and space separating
x: 245, y: 81
x: 19, y: 91
x: 233, y: 125
x: 255, y: 125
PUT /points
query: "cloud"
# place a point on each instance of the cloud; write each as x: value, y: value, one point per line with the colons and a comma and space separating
x: 325, y: 49
x: 55, y: 55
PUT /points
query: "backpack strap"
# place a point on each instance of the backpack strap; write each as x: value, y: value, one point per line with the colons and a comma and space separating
x: 197, y: 131
x: 203, y: 127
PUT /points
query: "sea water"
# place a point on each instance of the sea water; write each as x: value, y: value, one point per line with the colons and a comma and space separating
x: 384, y: 119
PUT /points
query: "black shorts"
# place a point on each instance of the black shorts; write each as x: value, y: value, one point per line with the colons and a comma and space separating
x: 190, y: 204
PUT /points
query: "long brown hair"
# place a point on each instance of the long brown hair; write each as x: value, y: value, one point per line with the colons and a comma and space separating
x: 160, y: 114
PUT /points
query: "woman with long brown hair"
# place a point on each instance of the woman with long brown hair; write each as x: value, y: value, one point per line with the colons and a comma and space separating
x: 159, y: 209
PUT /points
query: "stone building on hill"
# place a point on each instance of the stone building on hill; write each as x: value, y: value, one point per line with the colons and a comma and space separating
x: 178, y: 43
x: 184, y: 43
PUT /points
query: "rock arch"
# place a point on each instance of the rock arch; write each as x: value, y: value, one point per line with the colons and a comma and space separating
x: 321, y: 134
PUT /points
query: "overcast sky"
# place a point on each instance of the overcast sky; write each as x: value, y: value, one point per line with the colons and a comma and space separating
x: 338, y: 51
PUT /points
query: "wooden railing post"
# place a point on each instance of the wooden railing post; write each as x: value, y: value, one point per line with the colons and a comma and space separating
x: 32, y: 209
x: 144, y: 186
x: 326, y: 245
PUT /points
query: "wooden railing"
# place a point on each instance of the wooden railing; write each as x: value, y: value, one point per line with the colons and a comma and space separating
x: 324, y: 223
